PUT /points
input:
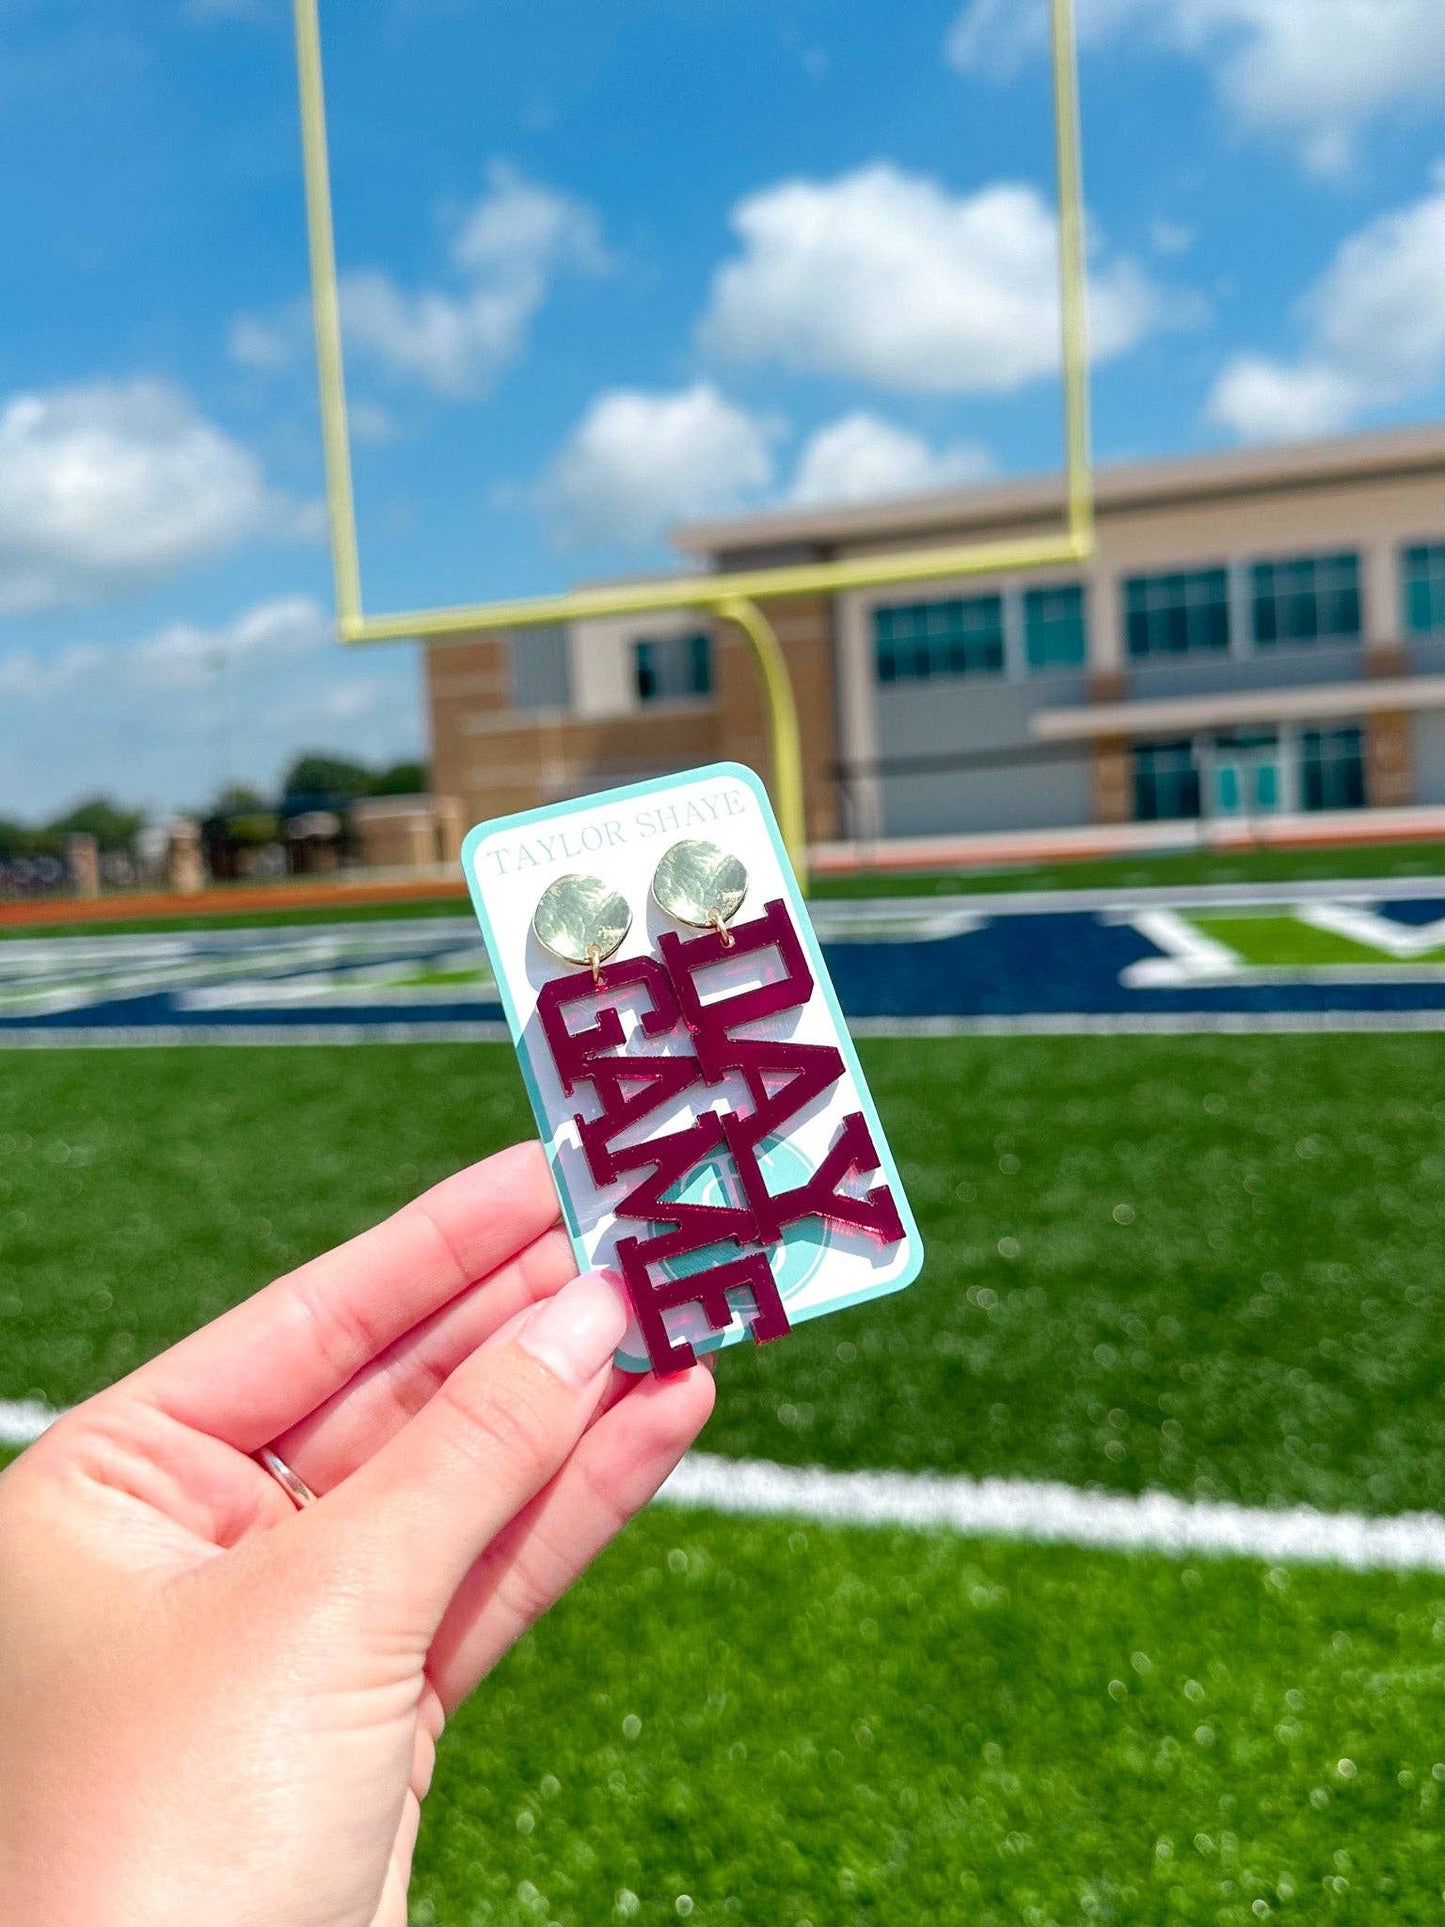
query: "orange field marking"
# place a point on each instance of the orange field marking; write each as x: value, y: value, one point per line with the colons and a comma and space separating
x: 125, y: 906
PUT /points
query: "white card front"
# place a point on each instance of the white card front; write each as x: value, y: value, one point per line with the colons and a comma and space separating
x: 590, y: 1055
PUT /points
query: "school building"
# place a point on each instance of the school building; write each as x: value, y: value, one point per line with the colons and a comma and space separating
x: 1259, y: 633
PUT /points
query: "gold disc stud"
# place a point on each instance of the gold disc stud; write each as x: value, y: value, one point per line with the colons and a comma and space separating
x: 700, y: 884
x: 581, y: 920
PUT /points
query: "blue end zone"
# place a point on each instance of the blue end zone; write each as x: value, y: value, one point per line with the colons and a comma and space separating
x: 969, y: 961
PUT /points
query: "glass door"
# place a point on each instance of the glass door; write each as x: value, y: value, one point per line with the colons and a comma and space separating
x: 1245, y: 775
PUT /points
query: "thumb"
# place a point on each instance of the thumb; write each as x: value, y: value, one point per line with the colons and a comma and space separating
x: 407, y: 1527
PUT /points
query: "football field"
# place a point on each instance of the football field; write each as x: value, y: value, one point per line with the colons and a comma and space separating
x: 1202, y: 1266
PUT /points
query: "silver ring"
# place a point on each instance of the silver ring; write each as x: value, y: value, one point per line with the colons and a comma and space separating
x: 291, y: 1483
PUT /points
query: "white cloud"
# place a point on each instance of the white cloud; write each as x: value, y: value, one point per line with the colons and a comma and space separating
x: 245, y: 10
x: 506, y: 251
x: 115, y: 484
x: 26, y: 674
x: 886, y: 277
x: 349, y: 700
x: 519, y: 228
x: 452, y: 346
x: 1173, y: 238
x: 997, y: 37
x: 1260, y: 400
x: 638, y: 462
x: 862, y: 458
x: 185, y: 656
x: 1380, y: 308
x: 372, y: 423
x: 208, y: 10
x: 166, y: 718
x: 1375, y: 333
x: 1311, y: 72
x: 267, y: 344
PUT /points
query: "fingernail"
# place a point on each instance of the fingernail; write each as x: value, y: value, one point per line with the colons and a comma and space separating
x: 575, y: 1333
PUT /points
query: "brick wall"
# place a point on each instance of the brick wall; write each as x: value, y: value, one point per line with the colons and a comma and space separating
x: 496, y: 760
x: 1389, y: 763
x: 1111, y: 768
x: 1389, y: 737
x: 804, y: 627
x: 465, y: 681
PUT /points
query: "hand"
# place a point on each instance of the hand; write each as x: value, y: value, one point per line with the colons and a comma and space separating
x: 217, y: 1709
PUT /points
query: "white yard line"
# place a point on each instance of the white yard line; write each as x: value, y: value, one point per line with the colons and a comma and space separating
x: 1368, y: 927
x: 22, y: 1421
x: 1187, y: 955
x: 1055, y: 1514
x: 1178, y: 896
x: 137, y: 1036
x: 1185, y: 1023
x: 1040, y: 1511
x: 1139, y: 1023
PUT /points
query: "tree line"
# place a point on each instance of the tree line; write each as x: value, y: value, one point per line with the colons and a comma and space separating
x: 315, y: 780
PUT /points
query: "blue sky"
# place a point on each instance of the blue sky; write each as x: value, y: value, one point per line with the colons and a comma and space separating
x: 608, y: 268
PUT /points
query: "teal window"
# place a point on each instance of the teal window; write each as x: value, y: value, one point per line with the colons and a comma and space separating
x: 916, y: 641
x: 1055, y: 635
x: 1175, y: 615
x: 1166, y: 781
x: 1306, y: 598
x: 1331, y: 769
x: 672, y: 670
x: 1422, y: 578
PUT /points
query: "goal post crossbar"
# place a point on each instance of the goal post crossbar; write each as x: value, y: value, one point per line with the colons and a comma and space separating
x: 730, y: 596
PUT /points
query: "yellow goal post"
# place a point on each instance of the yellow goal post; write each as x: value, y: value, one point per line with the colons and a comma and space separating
x: 731, y: 597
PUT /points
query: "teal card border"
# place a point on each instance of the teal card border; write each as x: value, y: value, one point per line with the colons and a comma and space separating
x: 633, y: 792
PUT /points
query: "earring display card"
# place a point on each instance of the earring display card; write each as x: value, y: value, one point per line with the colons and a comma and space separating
x: 700, y: 1100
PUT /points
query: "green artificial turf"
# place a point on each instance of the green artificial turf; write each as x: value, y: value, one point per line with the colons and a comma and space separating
x: 1208, y: 1265
x: 1135, y: 871
x: 143, y: 1191
x: 1205, y: 1264
x: 1152, y: 870
x: 767, y: 1724
x: 1290, y: 941
x: 1211, y: 1265
x: 480, y: 975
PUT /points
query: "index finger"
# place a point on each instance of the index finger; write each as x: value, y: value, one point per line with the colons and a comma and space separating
x: 261, y: 1368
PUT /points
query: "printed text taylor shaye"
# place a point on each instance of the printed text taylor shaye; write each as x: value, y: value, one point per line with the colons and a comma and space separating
x: 570, y: 842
